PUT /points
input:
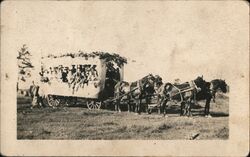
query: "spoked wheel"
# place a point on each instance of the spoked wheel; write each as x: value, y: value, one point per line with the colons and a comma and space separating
x: 53, y: 101
x: 94, y: 105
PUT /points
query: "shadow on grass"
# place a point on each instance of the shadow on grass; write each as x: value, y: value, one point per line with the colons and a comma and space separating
x: 219, y: 114
x: 213, y: 114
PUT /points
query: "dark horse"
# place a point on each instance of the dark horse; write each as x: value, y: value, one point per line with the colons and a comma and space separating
x: 218, y: 85
x: 208, y: 90
x: 204, y: 93
x: 186, y: 93
x: 127, y: 91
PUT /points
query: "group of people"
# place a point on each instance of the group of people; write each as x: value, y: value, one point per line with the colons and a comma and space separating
x: 76, y: 76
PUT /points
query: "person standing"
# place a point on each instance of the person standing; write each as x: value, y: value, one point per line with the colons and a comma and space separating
x: 36, y: 98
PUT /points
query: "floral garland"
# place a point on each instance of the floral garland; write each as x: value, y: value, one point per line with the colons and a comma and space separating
x: 119, y: 60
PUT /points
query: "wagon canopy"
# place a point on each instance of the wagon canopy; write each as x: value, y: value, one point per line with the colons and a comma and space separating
x: 81, y: 74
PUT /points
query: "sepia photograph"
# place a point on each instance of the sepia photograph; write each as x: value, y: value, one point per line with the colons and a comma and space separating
x: 125, y: 77
x: 85, y: 96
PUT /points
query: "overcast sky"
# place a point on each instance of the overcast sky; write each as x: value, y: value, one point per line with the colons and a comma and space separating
x: 172, y: 39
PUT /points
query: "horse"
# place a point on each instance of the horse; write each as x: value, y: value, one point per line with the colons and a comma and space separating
x: 186, y: 93
x: 134, y: 90
x: 183, y: 93
x: 207, y: 91
x: 204, y: 93
x: 216, y: 85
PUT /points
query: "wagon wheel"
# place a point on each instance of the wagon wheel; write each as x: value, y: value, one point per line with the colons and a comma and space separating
x: 94, y: 105
x: 53, y: 101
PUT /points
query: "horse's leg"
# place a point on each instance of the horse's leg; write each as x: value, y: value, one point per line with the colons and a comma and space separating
x: 128, y: 104
x: 185, y: 111
x: 189, y: 108
x: 118, y: 105
x: 159, y: 102
x: 205, y: 110
x: 213, y: 95
x: 146, y: 105
x: 164, y: 107
x: 40, y: 101
x: 139, y: 106
x: 136, y: 107
x: 182, y: 106
x: 207, y: 106
x: 159, y: 105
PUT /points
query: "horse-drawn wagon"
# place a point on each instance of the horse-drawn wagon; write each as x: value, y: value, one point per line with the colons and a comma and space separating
x: 87, y: 76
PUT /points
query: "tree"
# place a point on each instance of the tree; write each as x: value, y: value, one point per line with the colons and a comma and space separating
x: 24, y: 63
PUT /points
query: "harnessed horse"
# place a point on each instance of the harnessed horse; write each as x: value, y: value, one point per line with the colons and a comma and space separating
x: 183, y: 93
x: 125, y: 91
x: 204, y: 93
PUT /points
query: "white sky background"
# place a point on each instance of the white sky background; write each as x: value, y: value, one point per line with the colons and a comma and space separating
x: 172, y: 39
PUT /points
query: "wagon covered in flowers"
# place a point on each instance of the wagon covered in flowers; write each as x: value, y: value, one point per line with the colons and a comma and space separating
x: 87, y: 76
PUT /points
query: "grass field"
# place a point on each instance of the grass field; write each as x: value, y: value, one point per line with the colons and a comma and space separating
x: 81, y: 123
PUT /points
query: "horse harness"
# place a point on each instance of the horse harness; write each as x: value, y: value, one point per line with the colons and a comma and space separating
x: 191, y: 87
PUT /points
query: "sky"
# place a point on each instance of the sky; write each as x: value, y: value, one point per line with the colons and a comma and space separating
x: 168, y: 38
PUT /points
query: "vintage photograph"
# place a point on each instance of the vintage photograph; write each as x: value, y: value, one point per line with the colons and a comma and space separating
x: 125, y: 77
x: 149, y: 80
x: 85, y: 96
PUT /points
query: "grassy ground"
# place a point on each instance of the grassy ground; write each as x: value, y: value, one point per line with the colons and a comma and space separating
x: 81, y: 123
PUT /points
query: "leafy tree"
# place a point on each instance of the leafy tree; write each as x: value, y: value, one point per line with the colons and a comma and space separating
x: 24, y: 63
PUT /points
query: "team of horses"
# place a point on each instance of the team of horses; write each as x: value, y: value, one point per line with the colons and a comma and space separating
x: 137, y: 95
x: 187, y: 94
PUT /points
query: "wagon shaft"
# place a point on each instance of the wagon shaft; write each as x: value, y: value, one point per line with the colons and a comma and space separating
x: 183, y: 91
x: 121, y: 95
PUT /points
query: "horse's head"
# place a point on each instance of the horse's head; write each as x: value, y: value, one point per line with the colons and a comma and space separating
x: 149, y: 79
x: 157, y: 82
x: 223, y: 86
x: 219, y: 84
x: 147, y: 83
